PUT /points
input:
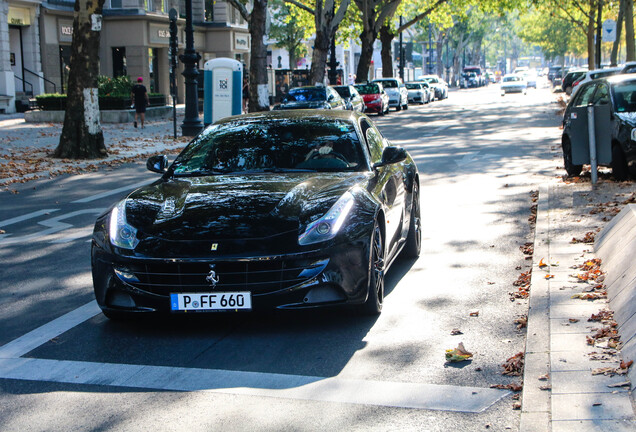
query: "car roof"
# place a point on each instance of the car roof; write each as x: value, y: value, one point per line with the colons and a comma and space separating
x: 616, y: 79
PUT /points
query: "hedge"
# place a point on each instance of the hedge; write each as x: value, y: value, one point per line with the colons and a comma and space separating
x: 57, y: 102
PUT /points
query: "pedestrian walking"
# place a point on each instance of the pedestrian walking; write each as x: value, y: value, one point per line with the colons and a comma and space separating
x: 139, y: 98
x: 246, y: 93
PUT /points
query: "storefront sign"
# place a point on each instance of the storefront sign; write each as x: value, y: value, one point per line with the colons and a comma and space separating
x: 241, y: 42
x: 159, y: 34
x: 66, y: 31
x: 19, y: 16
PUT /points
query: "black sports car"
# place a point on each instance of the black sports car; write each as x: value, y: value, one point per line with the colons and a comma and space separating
x: 286, y: 209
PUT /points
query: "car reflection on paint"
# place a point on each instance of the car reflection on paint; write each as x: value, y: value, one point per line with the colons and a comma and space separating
x: 287, y: 209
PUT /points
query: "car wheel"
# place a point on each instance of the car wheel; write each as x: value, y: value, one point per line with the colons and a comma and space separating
x: 568, y: 90
x: 406, y: 106
x: 414, y: 238
x: 375, y: 299
x: 620, y: 170
x: 570, y: 168
x: 398, y: 107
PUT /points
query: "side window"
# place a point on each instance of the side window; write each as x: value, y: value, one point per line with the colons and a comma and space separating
x: 375, y: 143
x: 585, y: 96
x: 601, y: 97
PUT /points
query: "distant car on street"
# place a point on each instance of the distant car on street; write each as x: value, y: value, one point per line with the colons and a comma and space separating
x: 316, y: 97
x: 570, y: 78
x: 375, y: 98
x: 619, y: 94
x: 513, y: 83
x: 353, y: 99
x: 395, y: 89
x: 439, y: 85
x: 418, y: 92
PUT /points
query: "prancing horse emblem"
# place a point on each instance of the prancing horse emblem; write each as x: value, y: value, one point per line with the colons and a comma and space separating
x: 212, y: 278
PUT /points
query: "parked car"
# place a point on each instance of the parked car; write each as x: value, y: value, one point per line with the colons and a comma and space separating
x: 375, y: 98
x: 418, y: 92
x: 395, y: 89
x: 476, y: 73
x: 317, y: 97
x: 513, y: 83
x: 439, y: 86
x: 353, y: 100
x: 618, y: 95
x: 570, y: 78
x: 531, y: 79
x: 595, y: 74
x: 275, y: 210
x: 629, y: 67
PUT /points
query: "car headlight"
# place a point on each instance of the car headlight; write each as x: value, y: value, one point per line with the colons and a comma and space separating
x: 120, y: 232
x: 326, y: 227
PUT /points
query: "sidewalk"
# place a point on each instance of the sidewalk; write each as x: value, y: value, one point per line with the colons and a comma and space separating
x: 24, y: 147
x: 560, y: 391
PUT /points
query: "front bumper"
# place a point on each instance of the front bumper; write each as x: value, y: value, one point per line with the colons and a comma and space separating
x: 328, y: 276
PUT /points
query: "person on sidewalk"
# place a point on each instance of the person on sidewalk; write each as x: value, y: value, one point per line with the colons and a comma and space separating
x: 139, y: 97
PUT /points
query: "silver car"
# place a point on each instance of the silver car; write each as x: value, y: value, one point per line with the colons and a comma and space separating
x: 395, y: 89
x: 418, y: 92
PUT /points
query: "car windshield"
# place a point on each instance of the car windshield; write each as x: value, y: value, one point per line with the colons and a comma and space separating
x: 343, y: 91
x: 413, y: 86
x: 625, y: 96
x: 272, y: 145
x: 307, y: 94
x: 366, y: 89
x: 511, y: 78
x: 389, y: 84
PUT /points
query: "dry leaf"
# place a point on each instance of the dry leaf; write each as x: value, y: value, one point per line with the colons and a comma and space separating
x: 542, y: 264
x: 474, y: 313
x: 456, y: 331
x: 512, y: 386
x: 544, y: 377
x: 458, y: 354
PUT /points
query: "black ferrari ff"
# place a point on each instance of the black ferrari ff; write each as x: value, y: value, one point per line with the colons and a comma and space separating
x: 285, y: 209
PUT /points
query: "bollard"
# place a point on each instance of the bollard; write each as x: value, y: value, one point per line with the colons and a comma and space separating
x: 592, y: 133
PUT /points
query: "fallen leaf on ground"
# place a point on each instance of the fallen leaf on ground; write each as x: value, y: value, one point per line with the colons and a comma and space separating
x: 514, y: 365
x: 474, y: 313
x: 545, y: 387
x: 516, y: 406
x: 549, y: 276
x: 597, y: 404
x: 521, y: 322
x: 602, y: 315
x: 544, y: 377
x: 456, y: 331
x: 512, y: 386
x: 620, y: 384
x: 626, y: 365
x: 573, y: 320
x: 542, y: 264
x: 458, y: 354
x: 590, y: 296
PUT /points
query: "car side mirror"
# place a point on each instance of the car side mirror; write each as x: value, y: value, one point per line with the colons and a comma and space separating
x: 158, y: 164
x: 391, y: 155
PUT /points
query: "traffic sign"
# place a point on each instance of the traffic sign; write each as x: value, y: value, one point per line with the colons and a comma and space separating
x: 609, y: 31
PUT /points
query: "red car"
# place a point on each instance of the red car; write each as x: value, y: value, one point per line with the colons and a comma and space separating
x: 375, y: 98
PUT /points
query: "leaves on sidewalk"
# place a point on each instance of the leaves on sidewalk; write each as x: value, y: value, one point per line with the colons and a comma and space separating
x: 589, y: 238
x: 512, y: 386
x: 522, y: 322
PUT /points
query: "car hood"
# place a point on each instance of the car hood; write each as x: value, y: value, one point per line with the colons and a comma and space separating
x: 235, y: 206
x: 627, y: 117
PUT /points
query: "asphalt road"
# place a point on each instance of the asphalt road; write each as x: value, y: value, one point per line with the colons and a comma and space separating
x: 480, y: 155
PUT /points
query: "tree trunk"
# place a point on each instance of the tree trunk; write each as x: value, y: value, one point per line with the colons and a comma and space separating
x: 619, y: 31
x: 322, y: 44
x: 590, y: 37
x: 629, y: 31
x: 82, y: 135
x: 367, y: 38
x: 439, y: 51
x: 259, y: 99
x: 386, y: 37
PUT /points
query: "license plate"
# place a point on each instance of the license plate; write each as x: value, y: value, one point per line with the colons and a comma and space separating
x: 218, y: 301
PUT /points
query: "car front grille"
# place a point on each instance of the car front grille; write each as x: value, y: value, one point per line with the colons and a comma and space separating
x: 257, y: 276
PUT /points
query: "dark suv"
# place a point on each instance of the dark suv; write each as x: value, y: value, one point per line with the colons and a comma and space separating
x: 614, y: 102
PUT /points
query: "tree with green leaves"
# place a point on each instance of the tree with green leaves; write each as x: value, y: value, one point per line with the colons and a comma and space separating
x: 82, y: 135
x: 327, y: 17
x: 289, y: 29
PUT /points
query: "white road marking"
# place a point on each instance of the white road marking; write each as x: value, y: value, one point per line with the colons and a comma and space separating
x: 111, y: 192
x: 27, y: 216
x: 25, y: 343
x: 334, y: 389
x: 53, y: 225
x: 298, y: 387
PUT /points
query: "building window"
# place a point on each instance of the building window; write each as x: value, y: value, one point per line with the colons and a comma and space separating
x: 153, y: 67
x: 209, y: 10
x: 233, y: 14
x: 119, y: 62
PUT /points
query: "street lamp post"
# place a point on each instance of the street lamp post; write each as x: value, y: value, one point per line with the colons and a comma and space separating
x: 191, y: 125
x: 401, y: 53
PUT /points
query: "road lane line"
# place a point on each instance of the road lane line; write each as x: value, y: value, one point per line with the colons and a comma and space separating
x: 111, y: 192
x: 27, y: 216
x: 297, y: 387
x: 30, y: 341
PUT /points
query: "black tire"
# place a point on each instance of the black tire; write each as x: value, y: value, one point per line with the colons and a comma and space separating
x: 375, y: 299
x: 414, y: 238
x: 398, y: 107
x: 620, y: 170
x: 570, y: 168
x: 405, y: 107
